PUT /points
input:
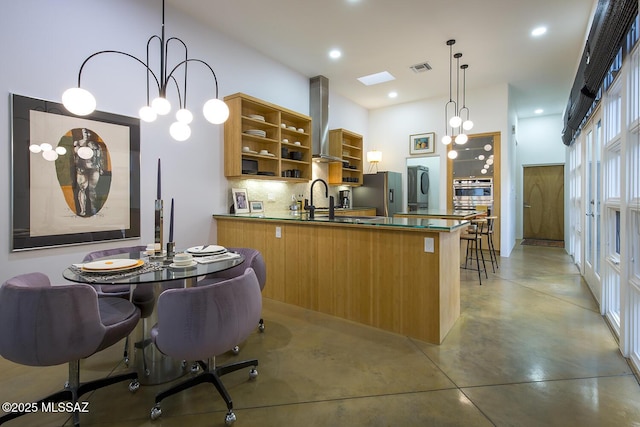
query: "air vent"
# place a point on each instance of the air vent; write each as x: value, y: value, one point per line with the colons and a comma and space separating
x: 421, y: 67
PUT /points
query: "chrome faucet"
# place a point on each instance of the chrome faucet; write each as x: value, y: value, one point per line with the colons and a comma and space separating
x: 311, y: 207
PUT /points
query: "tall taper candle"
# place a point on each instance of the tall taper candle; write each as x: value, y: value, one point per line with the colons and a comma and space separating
x: 159, y: 195
x: 171, y: 222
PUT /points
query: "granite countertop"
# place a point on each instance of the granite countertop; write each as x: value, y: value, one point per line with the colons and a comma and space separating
x: 433, y: 224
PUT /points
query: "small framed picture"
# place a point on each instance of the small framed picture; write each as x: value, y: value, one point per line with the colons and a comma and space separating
x: 422, y: 143
x: 240, y: 200
x: 256, y: 206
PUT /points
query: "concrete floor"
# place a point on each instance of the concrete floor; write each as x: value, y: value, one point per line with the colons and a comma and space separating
x: 529, y: 349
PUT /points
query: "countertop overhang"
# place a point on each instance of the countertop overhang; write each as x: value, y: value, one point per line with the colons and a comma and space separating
x: 430, y: 224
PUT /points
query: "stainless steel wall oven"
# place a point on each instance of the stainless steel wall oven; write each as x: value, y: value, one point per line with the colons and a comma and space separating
x: 468, y: 193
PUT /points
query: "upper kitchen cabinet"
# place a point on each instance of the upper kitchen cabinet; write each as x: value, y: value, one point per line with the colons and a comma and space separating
x: 346, y: 145
x: 266, y: 141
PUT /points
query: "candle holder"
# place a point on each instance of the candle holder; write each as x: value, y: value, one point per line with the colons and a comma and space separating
x: 171, y: 250
x: 158, y: 229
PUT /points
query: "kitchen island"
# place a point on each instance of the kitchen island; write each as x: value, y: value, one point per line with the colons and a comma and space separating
x: 397, y: 274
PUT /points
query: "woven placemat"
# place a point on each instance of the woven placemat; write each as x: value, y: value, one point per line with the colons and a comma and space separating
x: 101, y: 276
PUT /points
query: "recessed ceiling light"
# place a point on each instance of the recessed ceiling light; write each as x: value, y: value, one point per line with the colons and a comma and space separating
x: 393, y: 94
x: 537, y: 32
x: 539, y: 111
x: 374, y: 79
x: 335, y: 54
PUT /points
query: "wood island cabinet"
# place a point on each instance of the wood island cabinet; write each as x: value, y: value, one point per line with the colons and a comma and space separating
x: 346, y: 145
x: 255, y: 125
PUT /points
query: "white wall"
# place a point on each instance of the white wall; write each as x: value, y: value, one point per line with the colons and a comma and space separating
x: 46, y: 43
x: 539, y: 143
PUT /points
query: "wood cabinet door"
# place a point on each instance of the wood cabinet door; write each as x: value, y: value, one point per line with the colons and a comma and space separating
x: 543, y: 202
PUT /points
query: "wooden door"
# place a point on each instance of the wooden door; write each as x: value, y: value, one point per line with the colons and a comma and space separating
x: 543, y: 202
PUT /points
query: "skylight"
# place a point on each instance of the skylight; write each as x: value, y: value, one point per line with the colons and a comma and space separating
x: 377, y: 78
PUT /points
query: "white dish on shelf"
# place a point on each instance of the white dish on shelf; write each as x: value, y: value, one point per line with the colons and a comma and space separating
x: 292, y: 128
x: 283, y: 125
x: 296, y: 143
x: 300, y: 130
x: 256, y: 132
x: 285, y: 140
x: 256, y: 117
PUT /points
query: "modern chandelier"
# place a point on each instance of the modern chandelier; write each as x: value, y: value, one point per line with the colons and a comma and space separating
x: 81, y: 102
x: 455, y: 126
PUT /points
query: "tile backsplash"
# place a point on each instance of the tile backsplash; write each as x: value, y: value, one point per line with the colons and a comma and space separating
x: 276, y: 195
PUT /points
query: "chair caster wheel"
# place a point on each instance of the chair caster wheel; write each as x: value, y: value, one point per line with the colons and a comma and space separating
x: 126, y: 362
x: 156, y: 412
x: 261, y: 327
x: 230, y: 418
x: 195, y: 368
x: 235, y: 350
x: 134, y: 386
x: 147, y: 372
x: 253, y: 373
x: 183, y: 364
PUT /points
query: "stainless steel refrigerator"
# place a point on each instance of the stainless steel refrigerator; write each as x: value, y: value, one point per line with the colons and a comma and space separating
x: 382, y: 191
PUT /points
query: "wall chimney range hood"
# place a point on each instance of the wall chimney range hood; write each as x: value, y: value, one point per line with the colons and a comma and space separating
x: 319, y: 112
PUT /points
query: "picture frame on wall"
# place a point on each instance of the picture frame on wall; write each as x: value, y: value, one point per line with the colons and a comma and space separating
x: 256, y: 206
x: 74, y: 179
x: 422, y: 143
x: 240, y: 200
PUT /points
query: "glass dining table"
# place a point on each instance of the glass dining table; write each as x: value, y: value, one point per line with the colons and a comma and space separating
x: 160, y: 274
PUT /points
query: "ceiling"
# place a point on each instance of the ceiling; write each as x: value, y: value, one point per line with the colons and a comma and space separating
x: 386, y: 35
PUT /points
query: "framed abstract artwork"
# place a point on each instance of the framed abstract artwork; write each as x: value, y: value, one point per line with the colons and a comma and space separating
x: 423, y: 143
x: 74, y: 179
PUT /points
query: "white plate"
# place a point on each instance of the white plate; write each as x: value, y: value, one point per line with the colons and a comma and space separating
x: 256, y: 117
x: 112, y: 264
x: 191, y: 264
x: 207, y: 249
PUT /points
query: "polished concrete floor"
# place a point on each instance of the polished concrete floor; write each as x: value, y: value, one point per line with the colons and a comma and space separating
x: 529, y: 349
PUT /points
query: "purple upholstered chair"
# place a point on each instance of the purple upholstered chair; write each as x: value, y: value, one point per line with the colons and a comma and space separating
x: 252, y: 258
x: 201, y: 322
x: 143, y: 295
x: 45, y: 325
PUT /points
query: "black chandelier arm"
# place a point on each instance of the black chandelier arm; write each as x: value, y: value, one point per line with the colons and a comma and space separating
x: 185, y: 62
x: 464, y: 108
x: 180, y: 104
x: 149, y: 70
x: 160, y: 87
x: 215, y: 79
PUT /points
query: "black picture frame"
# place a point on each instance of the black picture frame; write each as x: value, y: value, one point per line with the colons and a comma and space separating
x: 45, y: 202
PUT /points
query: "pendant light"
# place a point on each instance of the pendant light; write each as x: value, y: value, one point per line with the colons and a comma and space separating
x: 467, y: 124
x: 81, y: 102
x: 447, y: 138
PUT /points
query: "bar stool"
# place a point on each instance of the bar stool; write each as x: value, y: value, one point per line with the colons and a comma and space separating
x: 488, y: 232
x: 473, y: 237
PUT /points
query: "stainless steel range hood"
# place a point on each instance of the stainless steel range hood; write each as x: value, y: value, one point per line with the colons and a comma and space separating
x: 319, y: 112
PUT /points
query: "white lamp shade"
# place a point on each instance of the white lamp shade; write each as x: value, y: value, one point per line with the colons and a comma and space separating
x: 184, y: 116
x: 462, y: 139
x: 446, y: 140
x: 45, y: 146
x: 374, y: 156
x: 79, y: 101
x: 147, y: 114
x: 161, y: 106
x: 455, y: 121
x: 467, y: 125
x: 487, y: 147
x: 61, y: 150
x: 215, y: 111
x: 489, y: 161
x: 180, y: 131
x: 481, y: 157
x: 35, y: 148
x: 483, y: 171
x: 452, y: 154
